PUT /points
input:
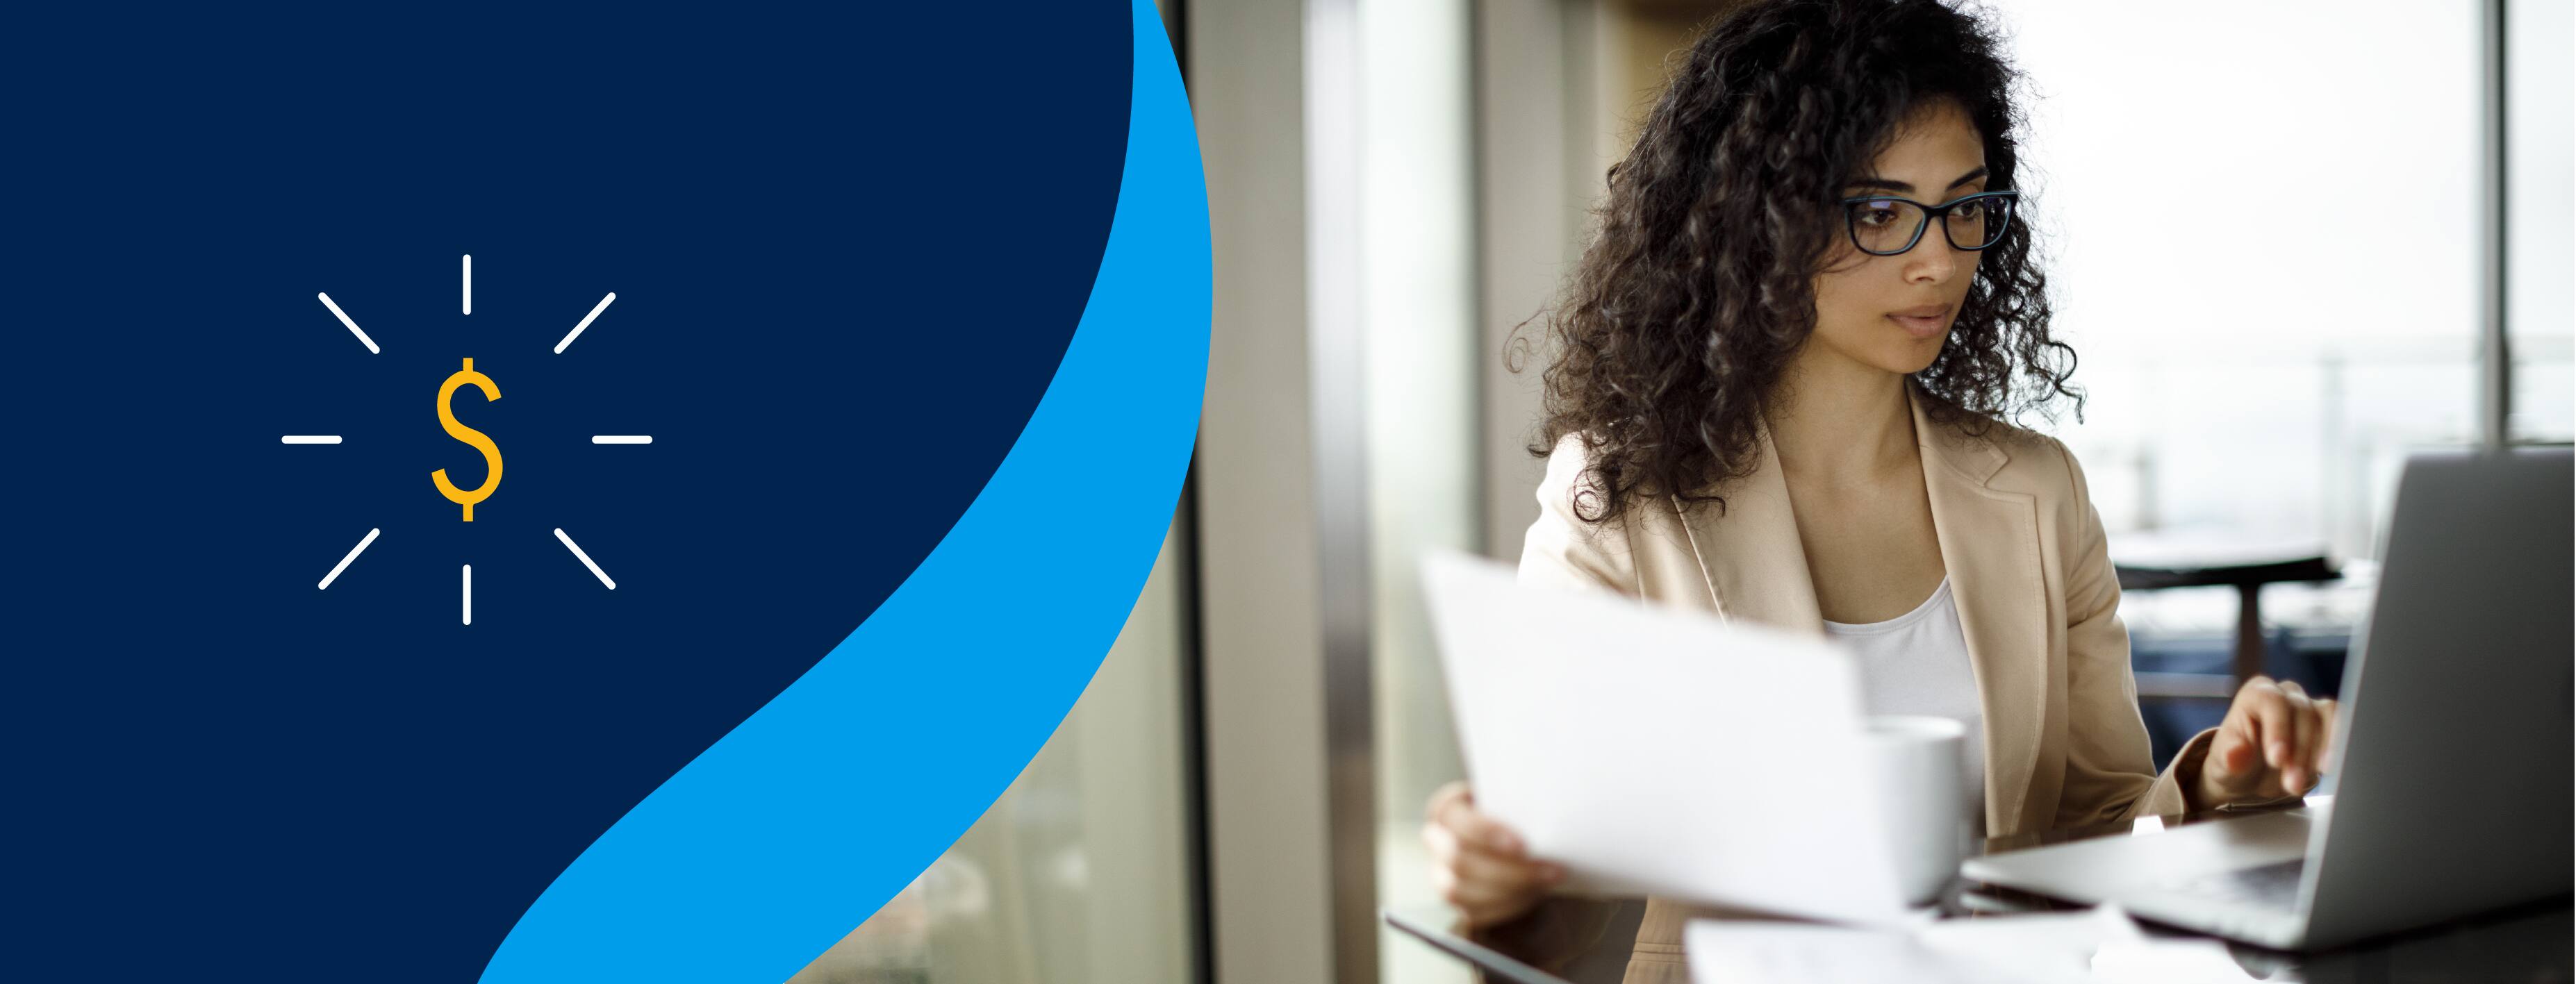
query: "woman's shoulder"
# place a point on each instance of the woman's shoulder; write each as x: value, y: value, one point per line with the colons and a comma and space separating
x: 1568, y: 544
x: 2022, y: 459
x: 1570, y: 485
x: 1568, y: 459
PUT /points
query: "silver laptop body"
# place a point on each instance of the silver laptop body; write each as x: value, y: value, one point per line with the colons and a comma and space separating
x: 2453, y: 772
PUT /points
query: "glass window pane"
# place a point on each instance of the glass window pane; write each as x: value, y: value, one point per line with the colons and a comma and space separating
x: 1080, y: 871
x: 2540, y: 205
x: 2258, y: 377
x: 1421, y: 355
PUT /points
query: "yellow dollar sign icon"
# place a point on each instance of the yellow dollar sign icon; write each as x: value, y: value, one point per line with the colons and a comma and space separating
x: 472, y: 438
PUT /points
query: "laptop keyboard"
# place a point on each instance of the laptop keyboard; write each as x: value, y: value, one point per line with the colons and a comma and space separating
x: 2275, y: 885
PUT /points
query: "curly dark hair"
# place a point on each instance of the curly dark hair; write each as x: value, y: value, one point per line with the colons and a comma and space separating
x: 1699, y: 286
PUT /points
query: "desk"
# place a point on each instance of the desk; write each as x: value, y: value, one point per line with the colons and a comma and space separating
x: 2530, y: 943
x: 2146, y: 562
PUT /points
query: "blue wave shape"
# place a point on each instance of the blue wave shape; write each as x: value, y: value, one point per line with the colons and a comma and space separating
x: 798, y: 824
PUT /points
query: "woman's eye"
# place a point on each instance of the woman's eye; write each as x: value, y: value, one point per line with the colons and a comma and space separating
x: 1877, y: 215
x: 1971, y: 211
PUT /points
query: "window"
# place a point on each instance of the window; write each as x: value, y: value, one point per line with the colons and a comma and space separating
x: 2540, y: 203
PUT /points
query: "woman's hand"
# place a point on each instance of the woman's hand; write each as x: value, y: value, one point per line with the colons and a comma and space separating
x: 1479, y: 865
x: 2273, y: 744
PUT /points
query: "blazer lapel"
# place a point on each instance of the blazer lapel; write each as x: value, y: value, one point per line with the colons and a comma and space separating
x: 1750, y: 554
x: 1990, y: 544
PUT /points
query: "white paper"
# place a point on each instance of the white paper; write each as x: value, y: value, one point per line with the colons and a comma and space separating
x: 1656, y: 752
x: 2096, y: 946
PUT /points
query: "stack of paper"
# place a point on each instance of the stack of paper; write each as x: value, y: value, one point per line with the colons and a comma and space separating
x: 2099, y: 945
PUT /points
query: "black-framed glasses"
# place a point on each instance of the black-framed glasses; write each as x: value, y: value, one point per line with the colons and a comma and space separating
x: 1886, y: 225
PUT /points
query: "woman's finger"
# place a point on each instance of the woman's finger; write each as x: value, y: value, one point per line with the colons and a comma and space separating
x: 1484, y: 906
x: 1486, y: 887
x: 2231, y: 751
x: 2296, y: 769
x: 1473, y: 861
x: 1473, y: 827
x: 2275, y: 727
x: 1446, y: 798
x: 1442, y: 841
x: 2325, y: 735
x: 1480, y: 866
x: 2238, y: 759
x: 1475, y: 901
x: 1452, y: 805
x: 1505, y: 877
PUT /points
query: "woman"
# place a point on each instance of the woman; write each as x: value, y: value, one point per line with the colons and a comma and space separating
x: 1780, y: 379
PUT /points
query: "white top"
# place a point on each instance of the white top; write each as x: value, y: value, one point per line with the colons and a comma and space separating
x: 1917, y: 663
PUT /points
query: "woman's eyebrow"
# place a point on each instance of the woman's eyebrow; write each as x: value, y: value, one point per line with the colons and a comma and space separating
x: 1903, y: 188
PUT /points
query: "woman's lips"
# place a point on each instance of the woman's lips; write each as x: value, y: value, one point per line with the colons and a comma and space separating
x: 1922, y: 326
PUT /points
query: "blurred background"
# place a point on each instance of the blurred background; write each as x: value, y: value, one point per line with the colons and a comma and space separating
x: 2293, y: 241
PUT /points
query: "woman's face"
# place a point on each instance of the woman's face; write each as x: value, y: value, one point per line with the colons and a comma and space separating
x: 1893, y: 312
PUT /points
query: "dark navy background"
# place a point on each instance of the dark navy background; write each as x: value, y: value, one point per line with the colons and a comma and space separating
x: 848, y: 249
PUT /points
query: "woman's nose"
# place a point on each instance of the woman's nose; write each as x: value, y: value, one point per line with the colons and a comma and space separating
x: 1933, y: 259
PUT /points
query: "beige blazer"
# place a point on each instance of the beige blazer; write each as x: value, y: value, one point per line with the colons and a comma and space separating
x: 2037, y: 600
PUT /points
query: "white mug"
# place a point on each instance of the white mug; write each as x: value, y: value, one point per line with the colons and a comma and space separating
x: 1916, y: 765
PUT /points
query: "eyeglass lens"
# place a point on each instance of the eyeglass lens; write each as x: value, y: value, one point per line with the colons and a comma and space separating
x: 1885, y: 227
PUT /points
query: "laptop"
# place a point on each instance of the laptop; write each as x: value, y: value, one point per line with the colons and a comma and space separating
x: 2453, y: 764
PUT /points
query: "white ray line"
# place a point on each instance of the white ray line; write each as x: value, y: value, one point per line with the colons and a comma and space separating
x: 469, y: 283
x: 309, y: 439
x: 585, y: 559
x: 621, y: 439
x: 468, y: 614
x: 585, y: 322
x: 353, y: 326
x: 344, y: 561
